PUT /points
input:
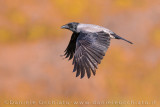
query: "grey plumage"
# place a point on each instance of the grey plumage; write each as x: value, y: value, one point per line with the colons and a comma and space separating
x: 88, y: 46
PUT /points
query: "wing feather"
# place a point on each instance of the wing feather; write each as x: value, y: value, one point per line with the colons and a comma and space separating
x: 90, y: 49
x: 70, y: 50
x: 86, y: 67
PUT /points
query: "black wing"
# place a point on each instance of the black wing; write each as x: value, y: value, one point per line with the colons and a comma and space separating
x: 90, y: 49
x: 70, y: 50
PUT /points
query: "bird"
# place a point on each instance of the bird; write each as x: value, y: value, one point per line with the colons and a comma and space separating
x: 87, y: 46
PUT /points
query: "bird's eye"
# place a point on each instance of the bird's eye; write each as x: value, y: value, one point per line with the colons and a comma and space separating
x: 70, y: 25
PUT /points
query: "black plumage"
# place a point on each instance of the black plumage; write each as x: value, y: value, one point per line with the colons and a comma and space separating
x: 88, y: 46
x: 70, y: 50
x: 90, y: 51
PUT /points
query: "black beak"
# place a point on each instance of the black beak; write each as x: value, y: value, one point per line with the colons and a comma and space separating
x: 64, y: 27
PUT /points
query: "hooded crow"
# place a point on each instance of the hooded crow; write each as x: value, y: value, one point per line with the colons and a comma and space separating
x: 87, y: 46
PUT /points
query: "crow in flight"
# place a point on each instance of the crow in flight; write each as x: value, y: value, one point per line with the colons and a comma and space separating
x: 87, y: 46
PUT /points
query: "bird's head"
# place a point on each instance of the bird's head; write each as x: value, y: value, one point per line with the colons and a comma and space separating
x: 71, y: 26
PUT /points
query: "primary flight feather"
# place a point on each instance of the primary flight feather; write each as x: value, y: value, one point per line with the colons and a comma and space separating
x: 87, y: 46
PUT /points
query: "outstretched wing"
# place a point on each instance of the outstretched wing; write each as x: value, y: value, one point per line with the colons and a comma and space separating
x: 90, y: 49
x: 70, y: 50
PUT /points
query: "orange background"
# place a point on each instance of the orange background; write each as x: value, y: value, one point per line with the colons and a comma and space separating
x: 31, y: 43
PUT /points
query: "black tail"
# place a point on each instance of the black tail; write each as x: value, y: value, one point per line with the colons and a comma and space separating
x: 118, y: 37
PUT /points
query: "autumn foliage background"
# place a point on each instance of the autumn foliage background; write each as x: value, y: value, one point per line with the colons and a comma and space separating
x: 31, y: 43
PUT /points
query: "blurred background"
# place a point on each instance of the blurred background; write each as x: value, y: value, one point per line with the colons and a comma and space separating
x: 31, y: 43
